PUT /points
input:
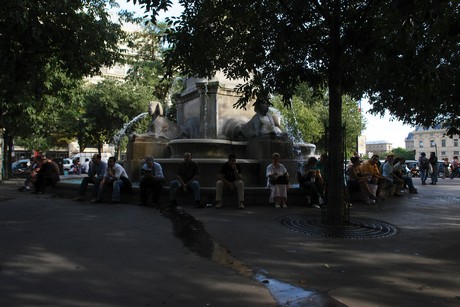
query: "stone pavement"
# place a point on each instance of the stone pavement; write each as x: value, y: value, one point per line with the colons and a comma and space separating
x: 54, y: 251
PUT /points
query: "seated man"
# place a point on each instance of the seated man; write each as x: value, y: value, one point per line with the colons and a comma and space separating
x: 371, y: 168
x: 75, y: 169
x: 187, y: 178
x: 230, y: 178
x: 401, y: 171
x: 388, y: 173
x: 116, y: 177
x: 311, y: 181
x: 96, y: 172
x: 356, y: 181
x: 46, y: 176
x: 151, y: 181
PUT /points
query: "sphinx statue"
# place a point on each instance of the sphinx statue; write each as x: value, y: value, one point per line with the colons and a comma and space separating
x: 163, y: 128
x: 262, y: 123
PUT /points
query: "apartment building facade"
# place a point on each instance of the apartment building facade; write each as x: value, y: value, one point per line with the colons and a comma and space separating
x: 434, y: 140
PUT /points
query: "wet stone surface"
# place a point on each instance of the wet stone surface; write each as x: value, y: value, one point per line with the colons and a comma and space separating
x: 195, y: 237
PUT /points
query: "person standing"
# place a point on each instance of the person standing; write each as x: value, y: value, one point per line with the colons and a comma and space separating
x: 434, y: 167
x: 187, y: 179
x: 47, y: 175
x: 277, y: 182
x: 424, y: 166
x: 96, y: 172
x: 230, y: 178
x: 454, y: 166
x: 445, y: 165
x: 116, y: 177
x: 151, y: 183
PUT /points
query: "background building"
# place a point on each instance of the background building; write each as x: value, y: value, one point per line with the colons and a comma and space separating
x: 378, y: 147
x: 434, y: 140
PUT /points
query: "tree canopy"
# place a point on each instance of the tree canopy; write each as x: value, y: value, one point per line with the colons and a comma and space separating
x: 383, y: 49
x: 45, y: 47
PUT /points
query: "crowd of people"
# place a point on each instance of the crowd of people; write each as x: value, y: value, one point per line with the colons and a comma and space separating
x: 369, y: 177
x: 372, y: 176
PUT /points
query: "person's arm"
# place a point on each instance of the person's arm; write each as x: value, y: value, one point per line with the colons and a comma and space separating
x: 158, y: 171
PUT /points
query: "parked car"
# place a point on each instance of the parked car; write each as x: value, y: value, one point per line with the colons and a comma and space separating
x: 20, y: 167
x: 66, y: 164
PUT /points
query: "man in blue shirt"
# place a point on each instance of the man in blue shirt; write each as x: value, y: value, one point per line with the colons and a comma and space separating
x: 96, y: 172
x: 151, y: 182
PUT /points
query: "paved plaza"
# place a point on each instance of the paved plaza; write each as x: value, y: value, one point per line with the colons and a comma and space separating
x: 57, y: 252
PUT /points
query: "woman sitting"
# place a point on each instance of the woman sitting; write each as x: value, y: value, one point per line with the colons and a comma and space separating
x: 358, y: 182
x: 277, y: 182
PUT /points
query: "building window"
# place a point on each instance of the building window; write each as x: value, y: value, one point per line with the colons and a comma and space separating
x: 455, y: 152
x: 443, y: 153
x: 443, y: 143
x: 455, y: 142
x: 420, y: 144
x: 432, y: 143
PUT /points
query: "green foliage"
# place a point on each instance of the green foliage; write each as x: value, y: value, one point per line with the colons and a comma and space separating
x: 307, y: 118
x: 403, y: 153
x: 108, y: 106
x: 44, y: 47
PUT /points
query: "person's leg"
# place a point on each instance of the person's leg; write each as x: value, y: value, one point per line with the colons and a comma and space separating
x: 97, y: 184
x: 117, y: 186
x: 100, y: 191
x: 240, y: 189
x: 195, y: 186
x: 157, y: 186
x: 143, y: 191
x: 173, y: 186
x: 83, y: 186
x: 399, y: 184
x: 39, y: 183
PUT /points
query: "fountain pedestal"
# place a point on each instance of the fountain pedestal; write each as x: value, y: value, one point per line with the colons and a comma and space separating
x: 212, y: 104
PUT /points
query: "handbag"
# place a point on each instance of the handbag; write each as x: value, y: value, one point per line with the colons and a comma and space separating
x: 284, y: 179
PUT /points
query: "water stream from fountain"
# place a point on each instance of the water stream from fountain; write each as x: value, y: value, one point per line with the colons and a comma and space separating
x: 117, y: 137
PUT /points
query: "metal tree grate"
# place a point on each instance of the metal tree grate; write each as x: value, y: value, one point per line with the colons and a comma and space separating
x: 357, y: 228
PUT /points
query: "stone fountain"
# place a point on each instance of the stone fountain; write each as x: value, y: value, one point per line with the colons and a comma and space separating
x: 210, y: 128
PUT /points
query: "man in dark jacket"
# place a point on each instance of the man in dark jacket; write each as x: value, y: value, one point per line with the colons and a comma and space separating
x: 46, y: 176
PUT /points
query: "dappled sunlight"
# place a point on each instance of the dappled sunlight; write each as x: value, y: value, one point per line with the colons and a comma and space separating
x: 40, y: 261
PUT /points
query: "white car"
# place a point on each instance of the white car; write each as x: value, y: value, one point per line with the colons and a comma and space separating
x: 66, y: 164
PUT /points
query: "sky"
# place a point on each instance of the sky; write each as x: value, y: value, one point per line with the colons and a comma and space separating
x: 378, y: 128
x: 383, y: 129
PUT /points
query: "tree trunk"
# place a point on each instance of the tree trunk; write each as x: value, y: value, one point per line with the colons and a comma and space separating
x: 7, y: 158
x: 335, y: 184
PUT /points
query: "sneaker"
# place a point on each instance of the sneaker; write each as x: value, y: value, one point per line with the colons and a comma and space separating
x: 283, y: 205
x: 218, y: 205
x: 316, y: 206
x: 321, y: 201
x: 96, y: 200
x: 241, y: 205
x: 198, y: 204
x: 79, y: 198
x: 370, y: 201
x: 114, y: 202
x: 277, y: 205
x: 21, y: 189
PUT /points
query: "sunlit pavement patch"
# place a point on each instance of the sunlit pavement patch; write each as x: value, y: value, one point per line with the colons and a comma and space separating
x: 289, y: 295
x: 357, y: 228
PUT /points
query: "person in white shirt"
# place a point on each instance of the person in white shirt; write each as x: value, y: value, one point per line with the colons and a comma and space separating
x: 115, y: 176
